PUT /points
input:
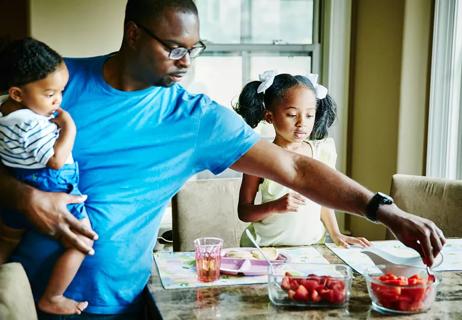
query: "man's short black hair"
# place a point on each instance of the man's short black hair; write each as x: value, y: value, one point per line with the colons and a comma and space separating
x: 144, y: 10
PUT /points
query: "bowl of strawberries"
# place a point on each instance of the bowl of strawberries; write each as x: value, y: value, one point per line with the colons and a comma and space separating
x: 309, y: 285
x: 401, y: 289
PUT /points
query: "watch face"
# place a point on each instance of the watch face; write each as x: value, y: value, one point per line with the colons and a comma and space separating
x: 384, y: 198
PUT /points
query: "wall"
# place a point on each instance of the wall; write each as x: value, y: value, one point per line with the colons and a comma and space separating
x: 415, y: 82
x: 388, y: 95
x: 15, y: 19
x: 78, y: 28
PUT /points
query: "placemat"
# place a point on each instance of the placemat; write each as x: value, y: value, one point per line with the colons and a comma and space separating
x: 452, y: 254
x: 178, y: 269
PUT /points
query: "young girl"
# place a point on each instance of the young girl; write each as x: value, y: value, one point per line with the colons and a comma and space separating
x: 299, y: 109
x: 36, y: 140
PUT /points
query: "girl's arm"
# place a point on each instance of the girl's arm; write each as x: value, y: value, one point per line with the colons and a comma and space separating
x: 250, y: 212
x: 65, y: 142
x: 330, y: 221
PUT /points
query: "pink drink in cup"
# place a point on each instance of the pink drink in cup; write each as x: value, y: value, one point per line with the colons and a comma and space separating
x: 208, y: 258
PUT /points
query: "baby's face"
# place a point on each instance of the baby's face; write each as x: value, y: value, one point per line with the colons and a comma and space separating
x: 44, y: 96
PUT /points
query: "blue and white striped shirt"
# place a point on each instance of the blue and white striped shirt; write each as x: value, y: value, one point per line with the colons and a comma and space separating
x: 26, y: 139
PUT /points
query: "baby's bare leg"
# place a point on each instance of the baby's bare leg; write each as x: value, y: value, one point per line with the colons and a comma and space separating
x: 9, y: 240
x: 66, y: 267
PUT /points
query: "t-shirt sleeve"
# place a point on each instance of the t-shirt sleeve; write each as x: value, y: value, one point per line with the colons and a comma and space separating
x: 222, y: 139
x: 327, y: 152
x: 39, y: 140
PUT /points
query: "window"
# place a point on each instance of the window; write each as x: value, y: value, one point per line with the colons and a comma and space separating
x: 444, y: 156
x: 246, y: 37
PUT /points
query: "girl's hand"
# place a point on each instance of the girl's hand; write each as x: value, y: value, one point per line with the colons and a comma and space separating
x: 345, y: 241
x: 289, y: 202
x: 63, y: 119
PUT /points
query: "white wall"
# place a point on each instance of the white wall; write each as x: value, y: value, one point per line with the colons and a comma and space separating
x: 78, y: 28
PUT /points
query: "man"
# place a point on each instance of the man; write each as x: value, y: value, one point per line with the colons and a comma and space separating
x: 140, y: 137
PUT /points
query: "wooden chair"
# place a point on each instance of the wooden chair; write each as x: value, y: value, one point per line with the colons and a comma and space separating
x: 206, y: 208
x: 439, y: 200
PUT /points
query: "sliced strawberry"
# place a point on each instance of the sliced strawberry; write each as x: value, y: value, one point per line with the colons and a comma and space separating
x: 301, y: 294
x: 315, y: 297
x: 285, y: 283
x: 310, y: 285
x: 291, y: 294
x: 338, y: 296
x: 327, y: 295
x: 294, y: 283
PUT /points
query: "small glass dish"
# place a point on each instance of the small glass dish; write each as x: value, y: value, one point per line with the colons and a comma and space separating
x: 392, y: 290
x: 309, y: 284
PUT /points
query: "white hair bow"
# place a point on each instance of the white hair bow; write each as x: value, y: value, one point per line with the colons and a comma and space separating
x: 321, y: 91
x: 266, y: 79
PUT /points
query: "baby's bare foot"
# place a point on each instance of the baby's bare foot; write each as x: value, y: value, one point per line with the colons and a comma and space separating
x: 61, y: 305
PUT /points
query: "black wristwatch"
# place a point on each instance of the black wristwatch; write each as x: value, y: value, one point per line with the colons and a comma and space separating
x: 377, y: 200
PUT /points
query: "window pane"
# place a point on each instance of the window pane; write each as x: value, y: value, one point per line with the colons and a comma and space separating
x: 281, y: 64
x: 256, y: 21
x: 286, y: 21
x: 218, y: 77
x: 216, y: 25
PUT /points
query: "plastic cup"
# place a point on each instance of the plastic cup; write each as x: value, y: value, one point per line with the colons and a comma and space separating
x: 208, y: 258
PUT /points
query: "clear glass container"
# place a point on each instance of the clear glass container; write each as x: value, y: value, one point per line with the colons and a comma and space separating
x: 309, y: 284
x: 394, y: 295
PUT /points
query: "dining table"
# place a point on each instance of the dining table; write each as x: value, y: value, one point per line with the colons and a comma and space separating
x: 252, y: 301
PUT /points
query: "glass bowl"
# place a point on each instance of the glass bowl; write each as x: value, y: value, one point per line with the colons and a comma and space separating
x: 400, y: 289
x: 309, y: 284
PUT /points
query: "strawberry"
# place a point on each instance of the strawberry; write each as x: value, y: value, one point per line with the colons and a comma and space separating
x: 315, y: 297
x: 301, y: 294
x: 285, y: 283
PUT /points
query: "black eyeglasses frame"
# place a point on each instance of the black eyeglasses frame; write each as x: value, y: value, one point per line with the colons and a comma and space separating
x: 193, y: 52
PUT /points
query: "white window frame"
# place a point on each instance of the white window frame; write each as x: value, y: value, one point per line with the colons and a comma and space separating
x: 335, y: 68
x: 335, y: 76
x: 444, y: 151
x: 312, y: 50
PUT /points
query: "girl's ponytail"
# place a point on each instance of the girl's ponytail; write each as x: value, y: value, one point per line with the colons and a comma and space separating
x: 251, y: 105
x: 326, y: 112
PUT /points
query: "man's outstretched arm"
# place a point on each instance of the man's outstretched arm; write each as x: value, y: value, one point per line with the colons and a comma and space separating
x: 332, y: 189
x: 47, y: 211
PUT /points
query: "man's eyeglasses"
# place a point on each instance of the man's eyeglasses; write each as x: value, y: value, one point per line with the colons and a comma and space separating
x: 178, y: 52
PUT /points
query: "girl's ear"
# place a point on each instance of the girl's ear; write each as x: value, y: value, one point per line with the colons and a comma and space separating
x: 15, y: 93
x: 268, y: 116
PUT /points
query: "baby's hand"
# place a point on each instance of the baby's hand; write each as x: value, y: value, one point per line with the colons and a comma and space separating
x: 63, y: 119
x: 289, y: 202
x: 345, y: 241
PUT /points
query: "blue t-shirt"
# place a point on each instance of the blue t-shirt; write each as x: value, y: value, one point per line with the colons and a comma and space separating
x: 135, y: 150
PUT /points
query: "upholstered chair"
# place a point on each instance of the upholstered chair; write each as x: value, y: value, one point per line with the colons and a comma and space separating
x: 16, y: 301
x: 207, y: 208
x: 439, y: 200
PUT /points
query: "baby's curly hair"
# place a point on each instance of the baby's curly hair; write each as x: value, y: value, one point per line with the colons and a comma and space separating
x: 24, y: 61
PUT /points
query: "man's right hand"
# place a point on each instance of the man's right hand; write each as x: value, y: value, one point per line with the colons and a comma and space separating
x: 415, y: 232
x: 47, y: 211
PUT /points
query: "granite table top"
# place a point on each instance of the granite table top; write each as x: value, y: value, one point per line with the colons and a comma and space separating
x: 252, y: 302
